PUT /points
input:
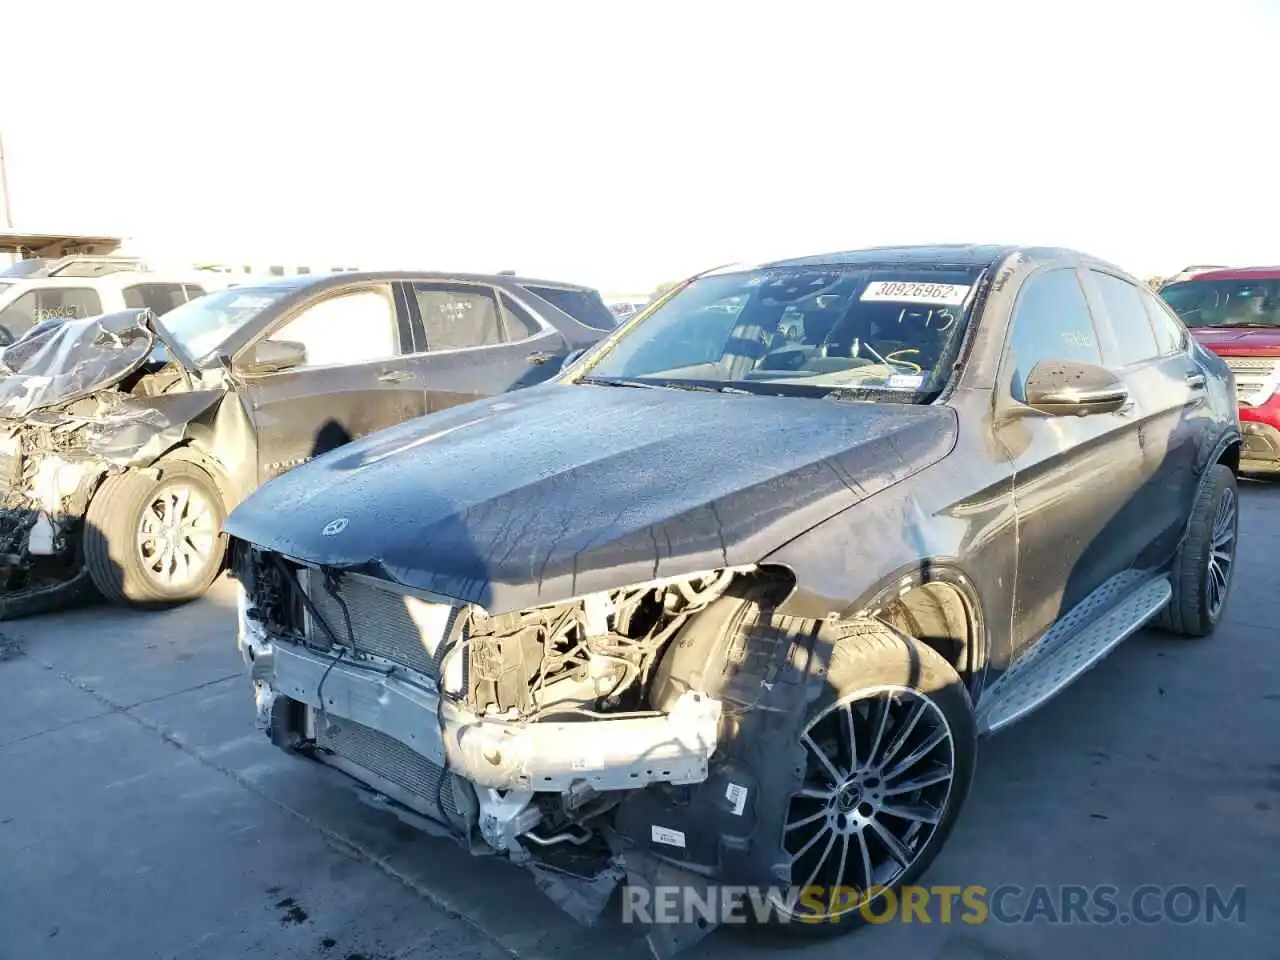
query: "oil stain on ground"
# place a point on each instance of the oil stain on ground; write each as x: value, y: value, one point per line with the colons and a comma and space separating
x: 292, y: 912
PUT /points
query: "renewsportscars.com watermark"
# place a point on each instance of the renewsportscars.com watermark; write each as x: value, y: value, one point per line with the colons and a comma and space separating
x: 1008, y: 904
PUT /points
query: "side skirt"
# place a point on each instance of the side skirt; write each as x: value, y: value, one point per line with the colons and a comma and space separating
x: 1067, y: 650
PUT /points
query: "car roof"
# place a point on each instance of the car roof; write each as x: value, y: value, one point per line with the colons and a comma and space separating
x: 1235, y: 273
x: 958, y: 254
x: 940, y: 255
x: 320, y: 280
x: 121, y: 278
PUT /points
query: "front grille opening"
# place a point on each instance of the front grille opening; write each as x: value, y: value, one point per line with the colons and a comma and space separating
x: 272, y: 584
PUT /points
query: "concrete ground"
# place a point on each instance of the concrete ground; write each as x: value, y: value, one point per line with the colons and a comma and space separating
x: 141, y: 815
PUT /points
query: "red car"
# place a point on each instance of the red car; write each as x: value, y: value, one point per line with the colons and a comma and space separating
x: 1236, y: 314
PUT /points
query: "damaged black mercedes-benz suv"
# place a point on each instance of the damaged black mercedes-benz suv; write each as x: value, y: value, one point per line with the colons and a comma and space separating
x: 729, y: 603
x: 125, y: 439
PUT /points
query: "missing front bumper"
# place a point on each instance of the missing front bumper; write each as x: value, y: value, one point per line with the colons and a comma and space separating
x: 605, y: 754
x: 619, y: 754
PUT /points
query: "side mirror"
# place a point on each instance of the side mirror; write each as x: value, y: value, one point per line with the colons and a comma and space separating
x: 1069, y: 388
x: 272, y: 356
x: 573, y: 357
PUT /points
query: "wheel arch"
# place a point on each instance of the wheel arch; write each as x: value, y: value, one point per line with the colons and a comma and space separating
x: 1229, y: 455
x: 936, y: 602
x: 1226, y: 450
x: 191, y: 452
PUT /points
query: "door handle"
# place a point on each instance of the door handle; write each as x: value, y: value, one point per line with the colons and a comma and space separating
x: 1195, y: 381
x: 394, y: 376
x: 541, y: 357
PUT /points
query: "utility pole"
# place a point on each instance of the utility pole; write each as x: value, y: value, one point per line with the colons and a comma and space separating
x: 4, y: 188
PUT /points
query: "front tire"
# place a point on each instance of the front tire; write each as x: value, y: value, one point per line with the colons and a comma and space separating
x: 1203, y: 568
x: 155, y: 542
x: 891, y: 749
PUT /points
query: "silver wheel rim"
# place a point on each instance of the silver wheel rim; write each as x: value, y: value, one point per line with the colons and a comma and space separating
x: 176, y: 536
x: 1222, y: 547
x: 878, y: 777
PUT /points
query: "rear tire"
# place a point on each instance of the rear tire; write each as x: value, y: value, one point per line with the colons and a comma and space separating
x: 155, y: 542
x: 1203, y: 568
x: 895, y: 696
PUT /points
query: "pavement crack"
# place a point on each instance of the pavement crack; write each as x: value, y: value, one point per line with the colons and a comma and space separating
x: 238, y: 675
x: 331, y: 836
x: 62, y: 726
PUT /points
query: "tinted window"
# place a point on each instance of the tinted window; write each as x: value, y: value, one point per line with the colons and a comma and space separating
x: 456, y: 317
x: 585, y: 306
x: 48, y: 303
x: 519, y: 323
x: 1225, y: 303
x: 1171, y: 335
x: 1129, y: 319
x: 355, y: 327
x: 193, y: 291
x: 159, y: 298
x: 1051, y: 322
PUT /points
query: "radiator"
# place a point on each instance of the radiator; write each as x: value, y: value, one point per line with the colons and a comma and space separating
x: 383, y: 623
x: 389, y: 759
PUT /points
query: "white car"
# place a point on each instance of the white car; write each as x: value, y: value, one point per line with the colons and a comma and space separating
x: 51, y: 294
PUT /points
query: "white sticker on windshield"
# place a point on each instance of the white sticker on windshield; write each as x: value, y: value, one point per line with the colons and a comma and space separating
x: 736, y: 794
x: 905, y: 381
x: 910, y: 291
x: 672, y: 838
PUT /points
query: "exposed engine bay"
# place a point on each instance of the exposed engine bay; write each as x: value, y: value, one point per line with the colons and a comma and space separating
x: 50, y: 464
x: 78, y: 402
x: 583, y: 739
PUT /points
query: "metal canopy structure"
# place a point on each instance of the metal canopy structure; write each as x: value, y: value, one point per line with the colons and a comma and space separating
x: 52, y: 246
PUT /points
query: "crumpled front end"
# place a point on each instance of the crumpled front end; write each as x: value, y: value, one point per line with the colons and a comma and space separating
x: 47, y: 476
x: 554, y: 736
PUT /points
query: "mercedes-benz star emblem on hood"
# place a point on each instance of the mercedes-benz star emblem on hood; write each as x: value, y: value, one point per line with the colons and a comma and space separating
x: 335, y: 527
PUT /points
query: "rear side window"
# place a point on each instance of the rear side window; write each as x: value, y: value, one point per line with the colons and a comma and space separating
x: 458, y: 317
x: 159, y: 298
x: 193, y: 291
x: 1171, y: 335
x: 585, y: 306
x: 47, y: 303
x: 1051, y: 321
x: 1129, y: 320
x: 519, y: 323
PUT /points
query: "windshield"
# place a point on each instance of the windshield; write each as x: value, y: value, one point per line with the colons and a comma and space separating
x: 1225, y: 303
x: 200, y: 326
x: 889, y: 332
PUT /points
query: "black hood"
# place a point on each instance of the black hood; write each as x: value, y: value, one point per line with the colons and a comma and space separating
x: 557, y: 491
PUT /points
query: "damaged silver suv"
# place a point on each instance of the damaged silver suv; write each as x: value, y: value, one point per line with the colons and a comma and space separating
x: 732, y: 600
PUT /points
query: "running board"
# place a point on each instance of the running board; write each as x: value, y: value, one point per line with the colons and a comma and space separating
x: 1059, y: 659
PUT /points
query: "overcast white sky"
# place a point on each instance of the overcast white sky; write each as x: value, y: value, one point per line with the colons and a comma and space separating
x: 624, y: 149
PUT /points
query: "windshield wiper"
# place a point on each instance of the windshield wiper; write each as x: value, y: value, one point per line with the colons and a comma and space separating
x: 612, y: 382
x: 702, y: 387
x: 663, y: 385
